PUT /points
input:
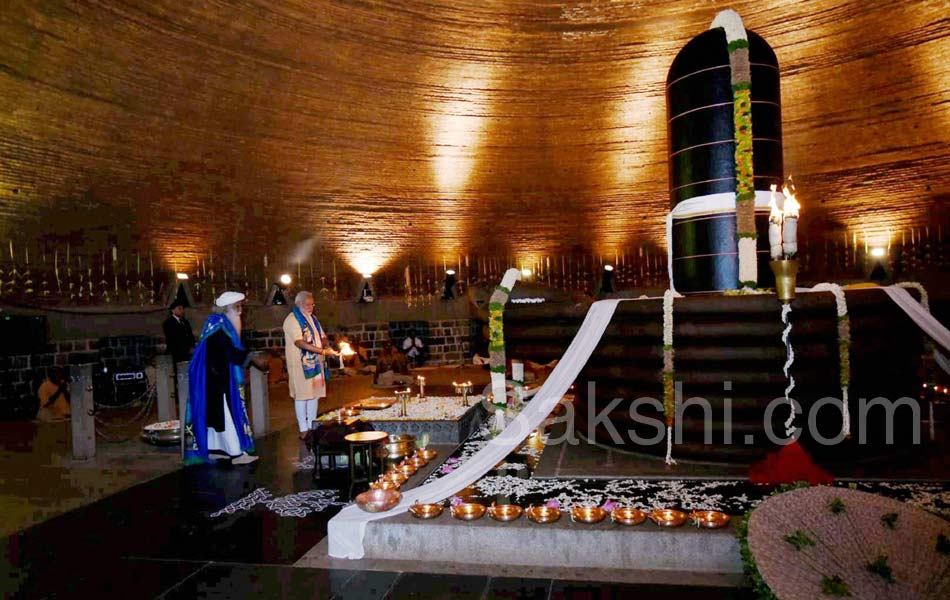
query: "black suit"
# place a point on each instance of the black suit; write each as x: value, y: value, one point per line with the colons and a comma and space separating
x: 179, y: 339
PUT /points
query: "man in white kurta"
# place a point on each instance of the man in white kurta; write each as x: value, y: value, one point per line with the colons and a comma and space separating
x: 306, y: 392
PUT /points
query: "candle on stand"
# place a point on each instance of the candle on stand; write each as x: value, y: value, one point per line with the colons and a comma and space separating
x: 775, y: 226
x: 341, y: 359
x: 517, y: 371
x: 790, y: 224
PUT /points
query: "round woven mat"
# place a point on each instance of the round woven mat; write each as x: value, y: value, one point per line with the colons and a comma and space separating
x: 845, y: 543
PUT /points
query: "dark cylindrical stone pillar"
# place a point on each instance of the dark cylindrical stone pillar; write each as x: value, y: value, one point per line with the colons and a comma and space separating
x: 702, y: 149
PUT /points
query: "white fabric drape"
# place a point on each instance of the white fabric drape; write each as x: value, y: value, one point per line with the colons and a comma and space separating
x: 710, y: 204
x: 346, y: 529
x: 926, y: 321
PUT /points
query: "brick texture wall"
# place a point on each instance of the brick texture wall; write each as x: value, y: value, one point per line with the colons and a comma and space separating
x: 448, y: 342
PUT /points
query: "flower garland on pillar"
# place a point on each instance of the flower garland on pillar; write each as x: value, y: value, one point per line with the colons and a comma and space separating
x: 844, y: 349
x: 741, y: 74
x: 669, y: 396
x: 496, y: 344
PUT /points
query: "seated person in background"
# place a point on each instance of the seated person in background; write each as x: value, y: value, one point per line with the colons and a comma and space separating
x: 391, y: 367
x: 53, y: 396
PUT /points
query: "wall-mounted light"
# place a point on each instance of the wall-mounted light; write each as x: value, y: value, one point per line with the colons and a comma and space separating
x: 448, y: 293
x: 178, y: 291
x: 276, y: 295
x: 878, y: 270
x: 366, y: 290
x: 607, y: 280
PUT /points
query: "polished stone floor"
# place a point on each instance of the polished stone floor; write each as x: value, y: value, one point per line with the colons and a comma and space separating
x: 181, y: 535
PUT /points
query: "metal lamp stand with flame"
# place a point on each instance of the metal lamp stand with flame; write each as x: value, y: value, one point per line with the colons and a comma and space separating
x: 464, y: 389
x: 783, y: 242
x: 403, y: 397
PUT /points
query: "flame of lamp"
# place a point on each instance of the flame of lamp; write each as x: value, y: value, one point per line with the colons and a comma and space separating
x: 505, y: 512
x: 468, y: 511
x: 666, y: 517
x: 426, y: 511
x: 711, y: 519
x: 543, y: 514
x: 628, y: 516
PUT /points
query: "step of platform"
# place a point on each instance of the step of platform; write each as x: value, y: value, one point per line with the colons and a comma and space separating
x: 603, y: 545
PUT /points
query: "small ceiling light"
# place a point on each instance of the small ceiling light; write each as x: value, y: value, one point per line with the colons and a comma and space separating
x: 526, y: 272
x: 878, y: 252
x: 285, y: 279
x: 367, y: 275
x: 182, y: 276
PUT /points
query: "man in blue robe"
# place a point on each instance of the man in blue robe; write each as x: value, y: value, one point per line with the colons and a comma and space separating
x: 216, y: 418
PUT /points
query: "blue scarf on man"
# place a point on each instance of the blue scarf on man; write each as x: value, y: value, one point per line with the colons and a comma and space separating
x: 196, y: 415
x: 310, y: 360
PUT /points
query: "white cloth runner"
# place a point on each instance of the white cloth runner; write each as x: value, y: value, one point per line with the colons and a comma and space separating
x: 926, y: 321
x: 710, y: 204
x: 346, y: 529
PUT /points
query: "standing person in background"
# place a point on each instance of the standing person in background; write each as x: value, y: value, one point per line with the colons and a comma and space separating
x: 216, y: 417
x: 307, y: 348
x: 179, y: 338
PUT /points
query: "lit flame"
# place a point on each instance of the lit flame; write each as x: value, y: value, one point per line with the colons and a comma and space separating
x: 346, y: 349
x: 791, y: 204
x: 775, y: 214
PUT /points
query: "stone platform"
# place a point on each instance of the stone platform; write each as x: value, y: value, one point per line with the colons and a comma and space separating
x: 602, y: 552
x: 604, y: 545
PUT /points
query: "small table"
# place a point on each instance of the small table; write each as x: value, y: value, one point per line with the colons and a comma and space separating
x: 329, y: 440
x: 362, y: 443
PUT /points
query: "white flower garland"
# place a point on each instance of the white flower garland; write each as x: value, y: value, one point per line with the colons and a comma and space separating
x: 731, y: 22
x: 748, y: 269
x: 915, y: 285
x: 668, y: 373
x: 786, y: 309
x: 844, y: 349
x: 527, y: 300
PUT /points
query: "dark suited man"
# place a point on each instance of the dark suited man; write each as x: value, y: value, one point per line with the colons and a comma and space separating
x: 179, y: 339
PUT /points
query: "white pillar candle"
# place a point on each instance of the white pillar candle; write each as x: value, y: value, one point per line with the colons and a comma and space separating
x: 775, y: 227
x: 790, y: 236
x: 517, y: 371
x: 790, y: 223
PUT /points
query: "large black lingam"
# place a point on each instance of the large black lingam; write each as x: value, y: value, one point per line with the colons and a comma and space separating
x: 702, y: 159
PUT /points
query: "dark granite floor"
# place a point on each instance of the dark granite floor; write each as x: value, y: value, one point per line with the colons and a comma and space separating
x: 159, y: 539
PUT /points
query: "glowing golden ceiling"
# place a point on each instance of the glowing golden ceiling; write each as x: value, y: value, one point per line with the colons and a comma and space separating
x: 436, y: 127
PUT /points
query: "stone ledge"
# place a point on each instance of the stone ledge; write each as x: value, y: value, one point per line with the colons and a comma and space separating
x: 562, y: 544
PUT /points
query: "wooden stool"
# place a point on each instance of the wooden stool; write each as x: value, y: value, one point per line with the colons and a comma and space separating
x: 362, y: 443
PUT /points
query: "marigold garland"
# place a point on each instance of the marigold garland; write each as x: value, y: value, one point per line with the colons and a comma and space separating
x: 669, y: 390
x: 741, y: 77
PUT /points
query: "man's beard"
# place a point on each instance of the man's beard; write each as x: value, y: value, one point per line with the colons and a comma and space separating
x: 235, y: 320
